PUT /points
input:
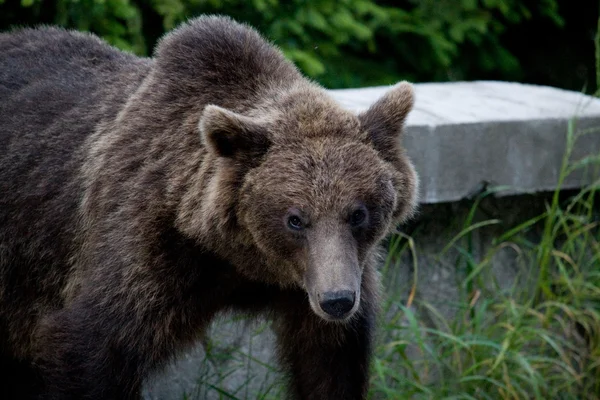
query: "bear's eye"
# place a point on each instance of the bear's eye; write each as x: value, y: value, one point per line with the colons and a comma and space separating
x: 358, y: 217
x: 295, y: 223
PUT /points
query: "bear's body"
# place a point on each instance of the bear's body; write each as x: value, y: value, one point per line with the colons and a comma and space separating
x: 141, y: 197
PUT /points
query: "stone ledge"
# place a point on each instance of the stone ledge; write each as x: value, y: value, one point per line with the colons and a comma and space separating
x: 464, y: 136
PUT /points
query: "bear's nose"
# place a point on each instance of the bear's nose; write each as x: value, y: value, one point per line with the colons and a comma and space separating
x: 337, y: 304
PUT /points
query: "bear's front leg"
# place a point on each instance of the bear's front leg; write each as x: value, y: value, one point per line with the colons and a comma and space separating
x: 86, y: 353
x: 102, y: 347
x: 326, y: 360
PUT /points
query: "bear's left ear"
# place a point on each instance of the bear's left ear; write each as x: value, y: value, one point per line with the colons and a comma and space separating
x: 385, y: 119
x: 229, y: 134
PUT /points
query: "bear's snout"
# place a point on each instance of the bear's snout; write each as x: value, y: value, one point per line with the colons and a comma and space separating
x: 337, y: 304
x: 333, y: 275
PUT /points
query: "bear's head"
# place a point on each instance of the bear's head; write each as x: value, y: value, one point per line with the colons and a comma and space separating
x: 318, y: 186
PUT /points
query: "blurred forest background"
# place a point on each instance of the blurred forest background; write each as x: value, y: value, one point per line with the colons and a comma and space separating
x: 354, y: 43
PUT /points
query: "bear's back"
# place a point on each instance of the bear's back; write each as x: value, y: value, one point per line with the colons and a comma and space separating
x: 29, y: 56
x: 47, y: 72
x: 55, y: 87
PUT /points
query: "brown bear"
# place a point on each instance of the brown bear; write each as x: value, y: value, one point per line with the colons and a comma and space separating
x: 139, y: 198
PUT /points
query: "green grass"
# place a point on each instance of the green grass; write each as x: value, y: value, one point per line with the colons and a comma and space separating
x: 538, y: 338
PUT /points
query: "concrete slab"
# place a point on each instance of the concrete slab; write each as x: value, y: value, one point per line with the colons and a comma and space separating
x: 464, y: 136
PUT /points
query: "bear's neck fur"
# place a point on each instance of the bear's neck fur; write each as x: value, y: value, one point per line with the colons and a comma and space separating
x: 206, y: 62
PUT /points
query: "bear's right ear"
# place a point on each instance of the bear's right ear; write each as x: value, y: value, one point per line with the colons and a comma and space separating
x: 229, y: 134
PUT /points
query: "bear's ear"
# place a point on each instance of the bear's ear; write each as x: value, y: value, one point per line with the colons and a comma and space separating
x: 385, y: 119
x: 229, y: 134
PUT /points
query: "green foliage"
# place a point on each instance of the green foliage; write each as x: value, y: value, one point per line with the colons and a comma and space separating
x: 341, y: 43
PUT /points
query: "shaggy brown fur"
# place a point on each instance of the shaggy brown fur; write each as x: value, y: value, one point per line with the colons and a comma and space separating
x: 141, y: 197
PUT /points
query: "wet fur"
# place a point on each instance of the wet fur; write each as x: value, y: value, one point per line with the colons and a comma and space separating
x: 124, y: 228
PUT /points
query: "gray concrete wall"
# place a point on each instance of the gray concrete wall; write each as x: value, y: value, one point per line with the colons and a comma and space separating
x: 462, y: 138
x: 465, y: 135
